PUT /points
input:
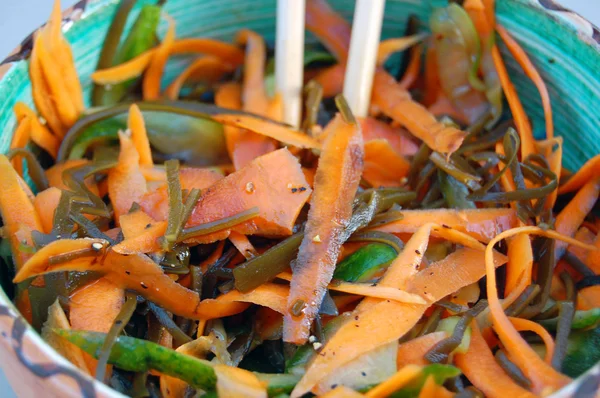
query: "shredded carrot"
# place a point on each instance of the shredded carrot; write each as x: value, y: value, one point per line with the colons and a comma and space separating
x: 329, y: 27
x: 552, y: 150
x: 228, y: 53
x: 396, y: 382
x: 542, y: 376
x: 243, y: 245
x: 390, y: 46
x: 368, y: 290
x: 279, y: 132
x: 593, y: 259
x: 523, y: 59
x: 584, y: 235
x: 254, y: 95
x: 520, y: 263
x: 233, y: 382
x: 126, y: 183
x: 139, y: 135
x: 332, y: 80
x: 45, y: 204
x: 337, y: 179
x: 156, y: 66
x: 525, y: 325
x: 590, y: 169
x: 481, y: 368
x: 430, y: 76
x: 384, y: 167
x: 398, y: 138
x: 208, y: 69
x: 572, y: 215
x: 482, y: 224
x: 414, y: 68
x: 589, y: 297
x: 433, y: 390
x: 18, y: 212
x: 412, y: 352
x: 214, y: 256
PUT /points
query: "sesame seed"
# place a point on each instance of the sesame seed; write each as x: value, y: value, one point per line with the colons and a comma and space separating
x: 250, y: 187
x: 312, y: 339
x: 97, y: 246
x: 317, y: 239
x: 317, y: 346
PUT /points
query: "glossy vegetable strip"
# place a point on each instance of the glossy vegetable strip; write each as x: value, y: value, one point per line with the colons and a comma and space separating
x: 126, y: 183
x: 243, y: 245
x: 39, y: 133
x: 118, y: 326
x: 20, y: 139
x: 154, y: 73
x: 523, y: 59
x: 380, y: 321
x: 227, y: 52
x: 139, y: 135
x: 520, y: 263
x: 207, y: 69
x: 525, y: 325
x: 384, y: 167
x: 412, y: 352
x: 552, y: 150
x: 572, y: 215
x: 237, y: 382
x: 338, y: 175
x: 482, y: 224
x: 111, y: 46
x: 541, y: 375
x: 254, y: 96
x: 329, y: 27
x: 279, y: 132
x: 138, y: 355
x: 342, y: 392
x: 18, y: 213
x: 390, y: 46
x: 480, y: 367
x: 590, y: 169
x: 368, y: 290
x: 414, y: 68
x: 398, y: 138
x: 394, y: 383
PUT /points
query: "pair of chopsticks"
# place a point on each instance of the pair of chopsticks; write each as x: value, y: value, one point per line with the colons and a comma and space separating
x: 360, y: 68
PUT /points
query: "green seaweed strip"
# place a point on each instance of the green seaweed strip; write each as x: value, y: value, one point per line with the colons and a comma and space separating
x: 219, y: 225
x: 175, y: 204
x: 35, y: 169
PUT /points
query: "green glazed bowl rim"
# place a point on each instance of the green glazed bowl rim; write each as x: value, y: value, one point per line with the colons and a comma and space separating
x: 86, y: 386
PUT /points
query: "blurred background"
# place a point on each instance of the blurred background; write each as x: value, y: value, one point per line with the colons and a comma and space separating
x: 19, y: 18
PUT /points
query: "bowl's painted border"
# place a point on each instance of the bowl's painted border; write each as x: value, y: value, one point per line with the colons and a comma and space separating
x: 88, y: 387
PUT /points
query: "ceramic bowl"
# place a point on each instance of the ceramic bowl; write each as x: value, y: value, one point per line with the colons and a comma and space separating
x: 563, y: 45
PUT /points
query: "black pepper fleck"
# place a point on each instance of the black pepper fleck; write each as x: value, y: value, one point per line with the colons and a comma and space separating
x: 356, y: 318
x: 302, y: 189
x: 118, y: 322
x: 143, y: 285
x: 128, y: 272
x: 445, y: 226
x: 148, y: 226
x: 294, y: 190
x: 363, y: 373
x: 418, y: 252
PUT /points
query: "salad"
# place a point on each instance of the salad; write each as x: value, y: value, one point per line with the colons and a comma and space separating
x: 178, y: 239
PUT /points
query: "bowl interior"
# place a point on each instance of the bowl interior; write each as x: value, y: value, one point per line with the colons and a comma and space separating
x: 562, y: 46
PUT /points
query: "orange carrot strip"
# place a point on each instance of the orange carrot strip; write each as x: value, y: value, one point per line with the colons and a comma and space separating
x: 18, y: 212
x: 338, y: 175
x: 329, y: 27
x: 209, y: 69
x: 593, y: 259
x: 396, y: 102
x: 384, y: 321
x: 42, y: 96
x: 398, y: 137
x: 144, y: 276
x: 414, y: 68
x: 589, y: 297
x: 384, y: 167
x: 279, y: 132
x: 525, y: 325
x: 413, y: 351
x: 236, y: 382
x: 126, y: 183
x: 265, y: 183
x: 520, y: 262
x: 523, y: 59
x: 243, y: 245
x: 542, y: 376
x: 228, y: 53
x: 482, y: 224
x: 390, y: 46
x: 516, y: 107
x: 368, y: 290
x: 20, y: 140
x: 590, y: 169
x: 396, y: 382
x: 552, y: 150
x: 584, y: 235
x: 141, y: 233
x: 432, y: 390
x: 332, y: 80
x: 45, y: 204
x: 54, y: 175
x: 229, y: 96
x: 481, y: 368
x: 254, y: 95
x: 154, y: 73
x: 139, y: 135
x: 572, y: 215
x: 267, y: 295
